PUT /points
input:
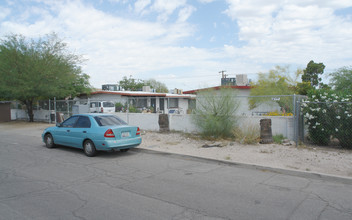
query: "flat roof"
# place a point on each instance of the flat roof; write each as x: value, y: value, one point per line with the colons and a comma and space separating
x: 144, y: 94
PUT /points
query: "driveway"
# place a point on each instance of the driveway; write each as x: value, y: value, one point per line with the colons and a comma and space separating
x: 62, y: 183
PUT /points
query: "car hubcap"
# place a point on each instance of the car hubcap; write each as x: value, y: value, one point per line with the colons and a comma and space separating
x: 88, y: 148
x: 48, y: 140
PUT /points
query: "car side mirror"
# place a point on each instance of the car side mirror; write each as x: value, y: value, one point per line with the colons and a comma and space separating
x: 58, y: 124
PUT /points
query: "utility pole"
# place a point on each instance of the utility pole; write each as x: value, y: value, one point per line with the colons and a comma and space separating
x: 223, y: 75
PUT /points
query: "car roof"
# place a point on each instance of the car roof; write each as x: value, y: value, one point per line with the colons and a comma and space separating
x: 93, y: 114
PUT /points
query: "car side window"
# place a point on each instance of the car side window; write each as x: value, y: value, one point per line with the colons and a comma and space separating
x: 93, y: 104
x: 83, y: 122
x: 70, y: 122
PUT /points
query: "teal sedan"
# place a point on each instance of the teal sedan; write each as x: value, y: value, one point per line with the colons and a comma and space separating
x: 92, y: 133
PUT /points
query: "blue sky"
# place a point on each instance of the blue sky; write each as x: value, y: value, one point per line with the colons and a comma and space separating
x: 185, y: 43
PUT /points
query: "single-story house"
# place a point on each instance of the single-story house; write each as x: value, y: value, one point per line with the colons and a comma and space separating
x: 158, y: 102
x: 242, y: 93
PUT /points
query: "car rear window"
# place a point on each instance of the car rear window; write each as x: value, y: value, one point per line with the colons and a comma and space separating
x: 106, y: 120
x: 108, y: 104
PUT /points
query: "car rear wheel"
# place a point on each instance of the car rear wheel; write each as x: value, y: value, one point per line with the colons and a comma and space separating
x: 89, y: 148
x: 49, y: 141
x: 124, y: 150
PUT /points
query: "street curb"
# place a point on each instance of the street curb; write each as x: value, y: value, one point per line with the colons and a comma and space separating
x: 304, y: 174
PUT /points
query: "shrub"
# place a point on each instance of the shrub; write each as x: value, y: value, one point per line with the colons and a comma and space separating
x: 329, y: 115
x: 119, y: 107
x: 133, y: 109
x: 278, y: 138
x: 215, y: 113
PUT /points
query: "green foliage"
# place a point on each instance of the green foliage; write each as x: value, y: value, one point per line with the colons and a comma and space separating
x: 276, y: 82
x: 312, y: 72
x: 133, y: 109
x: 215, y: 113
x: 35, y: 69
x: 278, y: 138
x: 247, y: 134
x: 341, y: 79
x: 158, y: 86
x: 131, y: 84
x: 119, y: 107
x: 329, y: 115
x: 303, y: 88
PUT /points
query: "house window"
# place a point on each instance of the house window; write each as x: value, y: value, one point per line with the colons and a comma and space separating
x: 173, y: 103
x: 141, y: 103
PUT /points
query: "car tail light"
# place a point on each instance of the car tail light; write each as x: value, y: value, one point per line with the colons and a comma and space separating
x: 109, y: 134
x: 138, y: 132
x: 102, y: 110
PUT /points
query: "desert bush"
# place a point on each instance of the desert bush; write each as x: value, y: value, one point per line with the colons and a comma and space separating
x: 247, y: 134
x: 215, y: 113
x: 329, y: 115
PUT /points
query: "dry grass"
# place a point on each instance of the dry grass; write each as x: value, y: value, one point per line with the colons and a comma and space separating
x: 248, y: 134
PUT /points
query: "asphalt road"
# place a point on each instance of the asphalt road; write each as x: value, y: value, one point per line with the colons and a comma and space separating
x: 62, y: 183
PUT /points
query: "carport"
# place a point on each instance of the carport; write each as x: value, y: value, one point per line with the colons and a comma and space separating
x: 5, y: 111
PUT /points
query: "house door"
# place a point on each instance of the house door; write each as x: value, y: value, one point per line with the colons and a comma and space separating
x: 153, y: 104
x: 162, y: 104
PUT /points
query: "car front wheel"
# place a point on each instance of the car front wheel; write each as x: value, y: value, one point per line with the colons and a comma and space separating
x: 49, y: 141
x: 89, y: 148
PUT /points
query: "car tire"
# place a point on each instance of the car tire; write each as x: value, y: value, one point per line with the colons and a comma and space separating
x: 124, y: 150
x: 89, y: 148
x: 49, y: 141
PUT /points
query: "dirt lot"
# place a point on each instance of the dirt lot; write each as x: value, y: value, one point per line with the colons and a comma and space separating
x: 303, y: 158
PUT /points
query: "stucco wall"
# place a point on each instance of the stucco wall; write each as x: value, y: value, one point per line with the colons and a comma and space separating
x: 147, y: 121
x: 279, y: 125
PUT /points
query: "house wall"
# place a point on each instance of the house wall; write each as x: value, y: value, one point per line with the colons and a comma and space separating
x: 182, y: 102
x: 243, y: 109
x: 108, y: 97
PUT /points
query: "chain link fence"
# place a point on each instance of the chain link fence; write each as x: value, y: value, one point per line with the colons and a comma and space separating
x: 327, y: 123
x: 286, y: 111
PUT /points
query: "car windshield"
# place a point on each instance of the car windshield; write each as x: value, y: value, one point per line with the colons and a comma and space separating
x: 106, y: 120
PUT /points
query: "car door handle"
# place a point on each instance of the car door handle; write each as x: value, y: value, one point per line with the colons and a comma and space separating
x: 68, y: 130
x: 84, y: 131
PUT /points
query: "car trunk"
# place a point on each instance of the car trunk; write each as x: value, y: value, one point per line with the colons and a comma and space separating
x: 124, y: 132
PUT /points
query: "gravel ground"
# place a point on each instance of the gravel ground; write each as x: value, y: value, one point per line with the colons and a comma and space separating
x: 303, y: 158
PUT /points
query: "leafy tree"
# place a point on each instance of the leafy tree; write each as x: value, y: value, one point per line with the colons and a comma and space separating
x: 276, y: 82
x: 303, y: 88
x: 312, y: 72
x: 342, y: 79
x: 33, y: 69
x: 158, y: 86
x: 131, y: 84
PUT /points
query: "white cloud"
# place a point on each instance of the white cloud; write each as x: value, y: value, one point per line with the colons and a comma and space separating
x: 292, y: 31
x: 4, y: 12
x: 140, y: 5
x: 166, y: 8
x: 206, y: 1
x: 185, y: 13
